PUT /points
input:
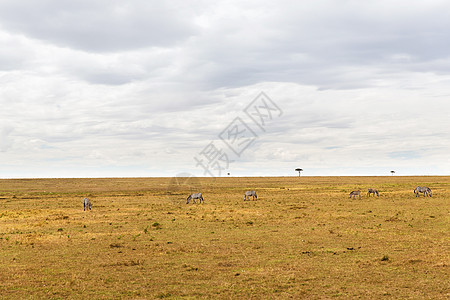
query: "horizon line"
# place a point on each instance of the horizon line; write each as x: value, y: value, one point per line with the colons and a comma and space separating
x: 260, y: 176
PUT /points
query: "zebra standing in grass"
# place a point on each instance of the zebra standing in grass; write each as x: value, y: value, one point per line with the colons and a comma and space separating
x: 249, y: 194
x: 355, y: 193
x: 87, y: 205
x: 373, y: 191
x: 423, y: 189
x: 195, y: 196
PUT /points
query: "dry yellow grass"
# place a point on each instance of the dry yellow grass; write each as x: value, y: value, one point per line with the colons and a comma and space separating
x: 302, y: 238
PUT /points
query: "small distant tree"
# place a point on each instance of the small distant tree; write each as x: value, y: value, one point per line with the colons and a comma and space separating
x: 392, y: 172
x: 299, y: 171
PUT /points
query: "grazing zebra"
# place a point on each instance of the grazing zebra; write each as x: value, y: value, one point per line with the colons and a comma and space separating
x: 195, y: 196
x: 355, y: 193
x: 87, y: 204
x: 373, y: 191
x: 249, y: 194
x: 423, y: 189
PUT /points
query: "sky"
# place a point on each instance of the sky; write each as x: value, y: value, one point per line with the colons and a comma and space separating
x: 110, y: 88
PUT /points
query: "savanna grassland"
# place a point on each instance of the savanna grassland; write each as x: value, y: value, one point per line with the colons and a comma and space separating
x: 302, y: 238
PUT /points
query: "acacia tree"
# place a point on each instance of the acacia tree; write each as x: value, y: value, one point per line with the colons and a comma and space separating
x: 299, y: 170
x: 392, y: 172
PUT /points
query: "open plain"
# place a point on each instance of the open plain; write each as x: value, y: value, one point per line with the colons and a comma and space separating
x: 303, y: 237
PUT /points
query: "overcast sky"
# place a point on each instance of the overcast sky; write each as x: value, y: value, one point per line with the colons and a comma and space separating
x: 148, y: 88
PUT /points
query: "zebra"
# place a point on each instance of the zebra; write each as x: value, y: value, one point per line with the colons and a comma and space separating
x: 355, y: 193
x: 87, y: 205
x: 195, y: 196
x: 249, y: 194
x: 373, y: 191
x: 423, y: 189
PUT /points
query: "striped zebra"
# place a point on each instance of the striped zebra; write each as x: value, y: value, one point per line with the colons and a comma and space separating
x: 423, y: 189
x: 373, y: 191
x: 87, y: 205
x: 195, y: 196
x: 355, y: 193
x: 249, y: 194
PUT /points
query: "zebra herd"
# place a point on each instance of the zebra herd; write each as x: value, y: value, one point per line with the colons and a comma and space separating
x: 426, y: 191
x: 369, y: 192
x: 199, y: 196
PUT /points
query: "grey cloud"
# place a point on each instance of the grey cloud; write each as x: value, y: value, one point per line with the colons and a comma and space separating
x: 100, y: 26
x: 117, y: 68
x: 326, y: 45
x: 109, y: 78
x: 341, y: 47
